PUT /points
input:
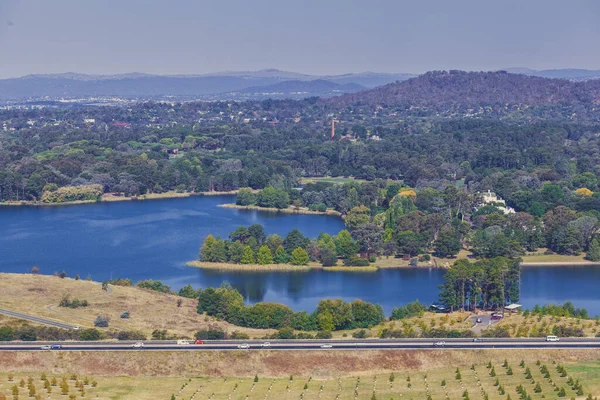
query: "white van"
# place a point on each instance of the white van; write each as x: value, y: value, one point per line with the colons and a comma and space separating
x: 552, y: 338
x: 182, y: 342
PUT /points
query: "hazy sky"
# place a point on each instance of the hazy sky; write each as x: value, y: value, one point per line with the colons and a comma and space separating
x: 311, y: 36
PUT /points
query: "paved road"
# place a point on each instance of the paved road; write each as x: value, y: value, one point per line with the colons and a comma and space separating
x: 36, y: 319
x: 408, y: 344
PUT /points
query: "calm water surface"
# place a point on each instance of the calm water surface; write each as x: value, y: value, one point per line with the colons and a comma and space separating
x: 154, y: 239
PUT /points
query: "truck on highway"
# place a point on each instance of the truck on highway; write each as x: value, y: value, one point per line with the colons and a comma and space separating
x: 183, y: 342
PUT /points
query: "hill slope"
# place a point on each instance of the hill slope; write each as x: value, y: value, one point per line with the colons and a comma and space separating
x: 475, y: 89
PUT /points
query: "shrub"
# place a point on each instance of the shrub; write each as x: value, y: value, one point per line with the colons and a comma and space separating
x: 125, y: 314
x: 239, y: 335
x: 285, y: 333
x: 355, y: 261
x: 210, y: 334
x: 6, y: 334
x: 131, y: 335
x: 408, y: 311
x: 156, y: 286
x: 101, y: 321
x: 121, y: 282
x: 323, y: 335
x: 361, y: 334
x: 89, y: 335
x: 73, y: 193
x: 75, y: 303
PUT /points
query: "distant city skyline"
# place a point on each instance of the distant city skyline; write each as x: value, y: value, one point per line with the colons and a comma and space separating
x: 331, y: 37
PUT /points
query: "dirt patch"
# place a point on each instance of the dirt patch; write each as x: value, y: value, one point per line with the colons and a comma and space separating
x: 276, y: 364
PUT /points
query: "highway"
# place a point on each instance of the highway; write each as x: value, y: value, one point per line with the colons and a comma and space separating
x: 38, y: 320
x: 278, y: 345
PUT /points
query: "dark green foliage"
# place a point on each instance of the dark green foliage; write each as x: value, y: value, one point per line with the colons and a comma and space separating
x: 561, y: 310
x: 354, y: 261
x: 101, y: 321
x: 188, y: 291
x: 593, y: 253
x: 407, y: 311
x: 90, y: 335
x: 75, y: 303
x: 6, y: 334
x: 156, y: 286
x: 210, y: 334
x: 131, y: 335
x: 245, y: 197
x: 273, y: 198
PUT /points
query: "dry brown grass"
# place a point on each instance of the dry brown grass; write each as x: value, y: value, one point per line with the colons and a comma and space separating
x: 30, y: 294
x: 250, y: 267
x: 289, y: 210
x: 277, y: 364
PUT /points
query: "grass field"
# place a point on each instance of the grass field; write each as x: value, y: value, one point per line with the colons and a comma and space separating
x: 486, y: 379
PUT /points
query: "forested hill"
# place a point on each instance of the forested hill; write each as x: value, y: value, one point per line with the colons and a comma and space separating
x: 472, y: 89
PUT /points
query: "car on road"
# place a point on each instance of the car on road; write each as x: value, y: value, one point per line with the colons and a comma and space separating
x: 497, y: 316
x: 138, y: 345
x: 439, y: 343
x: 183, y: 342
x: 552, y: 338
x: 326, y: 346
x: 265, y: 344
x: 56, y: 347
x: 198, y: 341
x: 76, y: 328
x: 478, y: 320
x: 46, y: 347
x: 477, y: 339
x: 243, y: 346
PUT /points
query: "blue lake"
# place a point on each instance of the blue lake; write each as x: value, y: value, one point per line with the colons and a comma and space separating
x: 154, y: 239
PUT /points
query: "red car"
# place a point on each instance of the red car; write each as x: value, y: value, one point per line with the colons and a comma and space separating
x: 198, y: 341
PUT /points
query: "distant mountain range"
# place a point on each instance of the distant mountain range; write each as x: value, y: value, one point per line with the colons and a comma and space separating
x: 573, y: 74
x: 473, y: 89
x: 277, y: 84
x: 219, y: 86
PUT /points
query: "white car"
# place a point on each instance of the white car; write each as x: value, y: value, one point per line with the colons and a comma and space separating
x: 138, y: 345
x: 46, y: 347
x: 439, y: 343
x: 326, y: 346
x: 265, y: 344
x: 183, y: 342
x: 243, y: 346
x: 552, y: 338
x: 76, y: 328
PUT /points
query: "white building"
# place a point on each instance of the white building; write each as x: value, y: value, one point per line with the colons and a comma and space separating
x: 493, y: 199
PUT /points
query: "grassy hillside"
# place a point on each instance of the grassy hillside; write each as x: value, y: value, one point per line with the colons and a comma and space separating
x: 38, y: 295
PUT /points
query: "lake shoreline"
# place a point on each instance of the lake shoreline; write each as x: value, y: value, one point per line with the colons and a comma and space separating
x: 289, y: 210
x: 276, y: 267
x: 111, y: 197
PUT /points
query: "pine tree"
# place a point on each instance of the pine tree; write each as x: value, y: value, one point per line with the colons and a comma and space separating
x: 281, y: 257
x: 248, y: 257
x: 593, y: 253
x: 299, y: 257
x: 264, y: 256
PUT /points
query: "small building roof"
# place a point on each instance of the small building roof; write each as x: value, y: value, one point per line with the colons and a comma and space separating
x: 513, y: 306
